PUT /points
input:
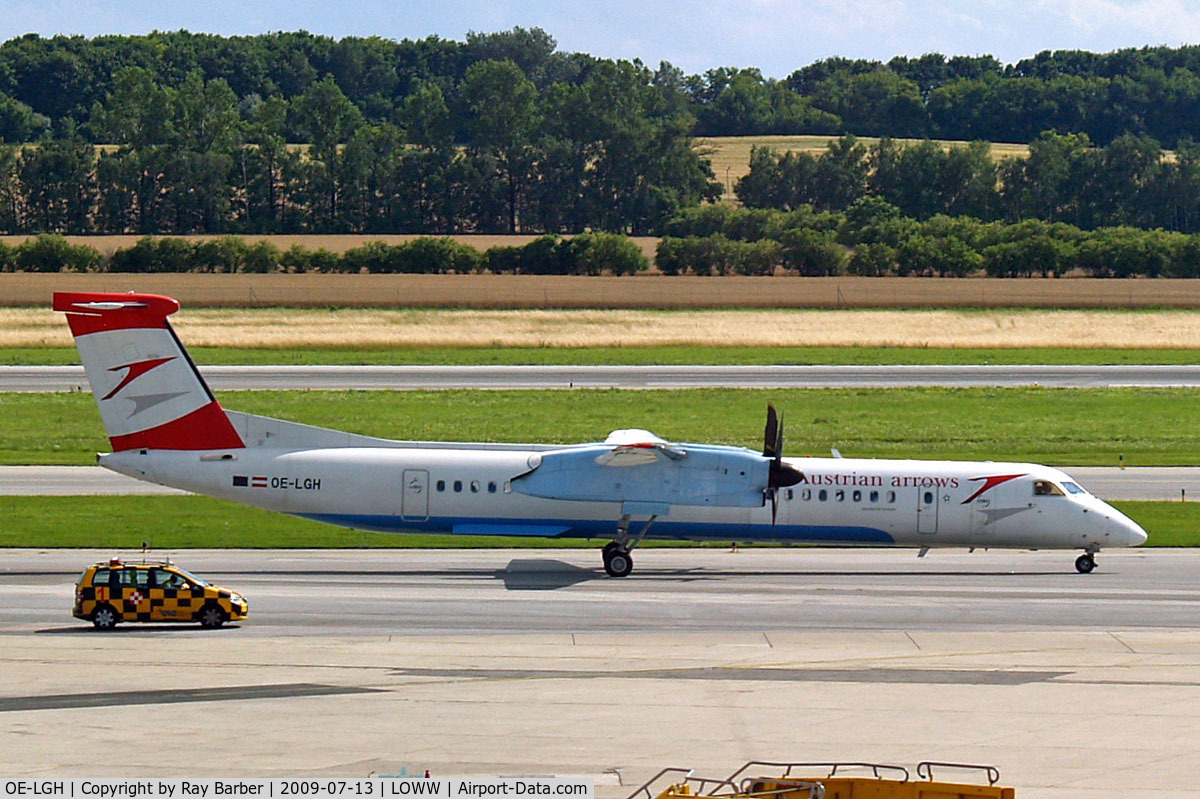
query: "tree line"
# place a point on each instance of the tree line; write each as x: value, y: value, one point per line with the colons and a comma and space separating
x: 1130, y: 182
x: 60, y: 86
x: 494, y: 152
x: 870, y: 238
x: 584, y: 254
x: 873, y: 238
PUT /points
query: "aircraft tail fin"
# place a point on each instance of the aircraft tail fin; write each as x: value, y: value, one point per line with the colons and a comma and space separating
x: 150, y: 394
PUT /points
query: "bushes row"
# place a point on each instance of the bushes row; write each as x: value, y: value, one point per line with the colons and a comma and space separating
x: 872, y: 238
x: 585, y: 254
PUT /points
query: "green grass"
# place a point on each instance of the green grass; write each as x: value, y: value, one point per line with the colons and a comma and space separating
x: 190, y: 522
x: 182, y: 522
x: 1055, y: 426
x: 1167, y: 524
x: 56, y: 356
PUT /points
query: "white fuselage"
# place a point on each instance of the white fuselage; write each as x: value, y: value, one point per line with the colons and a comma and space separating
x: 440, y: 488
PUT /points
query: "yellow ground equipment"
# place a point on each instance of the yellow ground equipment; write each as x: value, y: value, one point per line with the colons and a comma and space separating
x: 826, y: 781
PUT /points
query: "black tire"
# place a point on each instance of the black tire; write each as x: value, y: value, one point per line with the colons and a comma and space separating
x: 609, y: 548
x: 105, y: 617
x: 1085, y: 563
x: 619, y: 563
x: 211, y: 616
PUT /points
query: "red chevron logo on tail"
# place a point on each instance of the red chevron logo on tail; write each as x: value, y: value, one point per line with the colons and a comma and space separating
x: 136, y: 370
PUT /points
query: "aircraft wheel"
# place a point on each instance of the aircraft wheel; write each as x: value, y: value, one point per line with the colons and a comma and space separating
x: 1085, y: 563
x: 609, y: 548
x: 105, y: 617
x: 618, y: 562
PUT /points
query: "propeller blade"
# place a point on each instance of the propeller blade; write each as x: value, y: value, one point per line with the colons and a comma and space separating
x: 771, y: 433
x: 779, y: 439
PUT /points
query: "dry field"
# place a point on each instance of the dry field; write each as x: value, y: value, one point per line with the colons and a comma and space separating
x: 730, y: 155
x: 361, y: 328
x: 636, y: 292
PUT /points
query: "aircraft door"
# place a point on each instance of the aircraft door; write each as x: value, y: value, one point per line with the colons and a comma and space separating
x: 927, y: 510
x: 414, y: 499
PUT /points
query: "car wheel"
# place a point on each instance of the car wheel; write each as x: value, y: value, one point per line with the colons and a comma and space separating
x: 211, y: 616
x: 105, y: 617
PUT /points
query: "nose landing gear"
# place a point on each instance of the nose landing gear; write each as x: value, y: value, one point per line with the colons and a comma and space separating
x: 1087, y: 561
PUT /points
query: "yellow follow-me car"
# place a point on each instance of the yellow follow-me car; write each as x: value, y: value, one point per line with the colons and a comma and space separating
x: 114, y: 591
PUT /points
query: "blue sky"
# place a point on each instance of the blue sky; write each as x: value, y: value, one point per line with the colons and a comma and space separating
x: 775, y: 35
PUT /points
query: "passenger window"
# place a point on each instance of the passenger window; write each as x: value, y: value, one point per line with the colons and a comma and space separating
x: 1045, y: 488
x: 891, y: 497
x: 806, y: 494
x: 474, y: 486
x: 858, y: 496
x: 840, y: 495
x: 491, y: 488
x: 874, y: 496
x: 928, y: 497
x: 441, y: 485
x: 822, y: 495
x: 125, y: 577
x: 101, y: 577
x: 458, y: 486
x: 789, y: 493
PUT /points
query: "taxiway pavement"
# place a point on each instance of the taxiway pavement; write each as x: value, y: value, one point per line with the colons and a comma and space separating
x: 245, y: 378
x: 532, y: 662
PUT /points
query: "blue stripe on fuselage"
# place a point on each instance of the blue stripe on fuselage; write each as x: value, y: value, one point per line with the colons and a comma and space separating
x: 602, y: 528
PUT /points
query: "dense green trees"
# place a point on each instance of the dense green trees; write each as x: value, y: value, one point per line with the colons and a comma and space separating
x: 175, y: 132
x: 1064, y: 179
x: 484, y: 149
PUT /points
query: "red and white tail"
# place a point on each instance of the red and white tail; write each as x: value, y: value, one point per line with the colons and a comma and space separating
x: 148, y: 390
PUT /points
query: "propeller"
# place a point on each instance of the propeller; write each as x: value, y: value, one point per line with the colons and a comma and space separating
x: 781, y: 474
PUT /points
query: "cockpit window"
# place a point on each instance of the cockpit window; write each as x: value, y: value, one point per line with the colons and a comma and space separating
x: 1045, y: 488
x: 1074, y: 488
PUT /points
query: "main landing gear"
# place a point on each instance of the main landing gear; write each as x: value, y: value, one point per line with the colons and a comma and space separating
x: 617, y: 560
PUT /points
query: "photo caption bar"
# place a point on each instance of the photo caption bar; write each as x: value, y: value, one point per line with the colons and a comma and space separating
x: 381, y: 787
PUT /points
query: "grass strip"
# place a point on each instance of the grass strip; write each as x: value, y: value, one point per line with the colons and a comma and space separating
x: 629, y: 356
x: 192, y: 522
x: 1083, y: 427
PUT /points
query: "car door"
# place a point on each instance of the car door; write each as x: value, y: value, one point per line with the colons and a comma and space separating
x: 177, y: 602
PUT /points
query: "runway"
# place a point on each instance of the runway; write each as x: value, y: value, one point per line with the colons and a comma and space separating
x: 251, y: 378
x: 1166, y: 483
x: 361, y: 663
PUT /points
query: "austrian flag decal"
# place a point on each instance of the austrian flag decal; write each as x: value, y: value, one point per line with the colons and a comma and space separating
x: 242, y: 481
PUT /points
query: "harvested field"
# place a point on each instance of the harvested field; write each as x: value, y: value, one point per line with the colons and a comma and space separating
x: 638, y: 291
x: 292, y: 329
x: 730, y: 155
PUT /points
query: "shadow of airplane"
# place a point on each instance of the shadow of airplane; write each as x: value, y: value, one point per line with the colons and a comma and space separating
x: 544, y: 574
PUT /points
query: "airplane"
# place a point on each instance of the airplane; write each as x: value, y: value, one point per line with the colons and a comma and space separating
x: 165, y: 426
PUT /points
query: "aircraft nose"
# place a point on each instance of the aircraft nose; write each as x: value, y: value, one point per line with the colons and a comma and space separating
x: 1127, y: 530
x: 1134, y: 534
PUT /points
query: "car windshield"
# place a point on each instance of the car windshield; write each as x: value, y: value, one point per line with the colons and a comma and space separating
x: 198, y: 581
x: 1073, y: 488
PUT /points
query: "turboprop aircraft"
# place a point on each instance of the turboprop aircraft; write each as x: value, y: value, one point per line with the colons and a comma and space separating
x: 165, y: 426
